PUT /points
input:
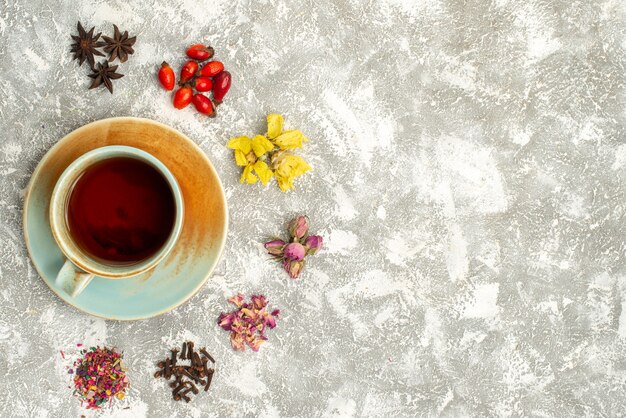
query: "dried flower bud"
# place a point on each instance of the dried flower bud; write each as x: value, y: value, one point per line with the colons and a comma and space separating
x: 293, y: 267
x: 294, y: 251
x: 275, y: 247
x: 313, y: 244
x: 299, y: 227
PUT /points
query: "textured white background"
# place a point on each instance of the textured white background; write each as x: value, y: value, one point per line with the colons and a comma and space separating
x: 469, y: 166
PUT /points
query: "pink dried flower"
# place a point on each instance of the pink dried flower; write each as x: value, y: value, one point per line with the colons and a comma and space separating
x: 236, y: 300
x: 237, y: 341
x: 293, y: 267
x: 270, y: 321
x: 226, y: 320
x: 294, y: 251
x: 258, y: 301
x: 255, y: 342
x: 299, y: 227
x: 249, y: 315
x: 247, y: 324
x: 275, y: 247
x: 313, y: 244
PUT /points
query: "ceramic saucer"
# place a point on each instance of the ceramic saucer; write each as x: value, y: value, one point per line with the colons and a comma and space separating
x: 181, y: 274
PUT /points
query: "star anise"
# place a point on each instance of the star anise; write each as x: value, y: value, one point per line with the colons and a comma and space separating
x: 120, y: 46
x: 84, y: 46
x: 103, y: 74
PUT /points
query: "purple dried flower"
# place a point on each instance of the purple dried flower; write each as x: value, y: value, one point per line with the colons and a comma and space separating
x: 300, y: 245
x: 294, y: 251
x: 313, y: 244
x: 226, y: 320
x: 270, y: 322
x: 275, y: 247
x: 258, y: 301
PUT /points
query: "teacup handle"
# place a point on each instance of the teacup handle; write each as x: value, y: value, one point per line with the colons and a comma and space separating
x: 72, y: 280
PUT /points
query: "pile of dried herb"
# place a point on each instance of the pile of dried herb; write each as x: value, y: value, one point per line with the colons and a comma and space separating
x: 247, y: 324
x: 86, y: 47
x: 99, y: 376
x: 186, y: 377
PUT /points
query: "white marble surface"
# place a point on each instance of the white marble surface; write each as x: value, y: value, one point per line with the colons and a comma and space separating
x: 469, y: 165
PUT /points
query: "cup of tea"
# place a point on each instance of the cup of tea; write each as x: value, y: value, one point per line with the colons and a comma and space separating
x: 115, y: 212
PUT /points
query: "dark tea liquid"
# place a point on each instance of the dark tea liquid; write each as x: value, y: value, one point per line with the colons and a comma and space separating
x: 121, y: 211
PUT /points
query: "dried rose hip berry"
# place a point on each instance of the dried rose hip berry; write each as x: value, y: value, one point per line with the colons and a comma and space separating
x: 188, y: 71
x: 203, y: 104
x: 166, y: 76
x: 182, y: 97
x: 203, y: 84
x: 221, y: 85
x: 200, y: 52
x: 211, y: 69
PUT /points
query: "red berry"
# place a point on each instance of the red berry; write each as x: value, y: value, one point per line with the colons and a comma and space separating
x: 188, y: 71
x: 211, y: 69
x: 166, y: 76
x: 182, y: 97
x: 199, y: 52
x: 203, y: 84
x: 221, y: 85
x: 203, y: 104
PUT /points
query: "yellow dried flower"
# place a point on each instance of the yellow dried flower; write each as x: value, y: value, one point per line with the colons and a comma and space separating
x: 261, y: 145
x: 274, y: 125
x: 247, y: 176
x: 260, y: 169
x: 288, y: 167
x: 243, y: 143
x: 252, y: 154
x: 290, y: 140
x: 263, y: 171
x: 258, y: 144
